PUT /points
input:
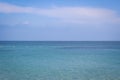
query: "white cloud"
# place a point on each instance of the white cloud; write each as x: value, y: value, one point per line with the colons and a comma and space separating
x: 76, y: 15
x: 26, y: 23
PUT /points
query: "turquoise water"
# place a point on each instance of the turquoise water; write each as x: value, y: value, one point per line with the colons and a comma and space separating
x: 59, y: 60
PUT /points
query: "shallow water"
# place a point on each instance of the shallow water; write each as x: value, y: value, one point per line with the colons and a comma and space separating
x: 59, y: 60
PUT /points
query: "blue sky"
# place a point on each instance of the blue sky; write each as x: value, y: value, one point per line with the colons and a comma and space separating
x: 77, y: 20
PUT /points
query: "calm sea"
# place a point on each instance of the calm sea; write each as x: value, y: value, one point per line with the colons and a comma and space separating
x: 55, y: 60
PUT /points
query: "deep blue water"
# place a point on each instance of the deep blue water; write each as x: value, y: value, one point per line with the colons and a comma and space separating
x: 55, y: 60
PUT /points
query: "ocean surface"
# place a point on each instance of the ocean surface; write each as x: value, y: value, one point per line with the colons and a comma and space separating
x: 55, y: 60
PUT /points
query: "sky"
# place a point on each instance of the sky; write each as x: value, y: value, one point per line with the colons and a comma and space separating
x: 59, y: 20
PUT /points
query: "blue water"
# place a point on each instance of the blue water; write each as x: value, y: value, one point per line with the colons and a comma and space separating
x: 59, y: 60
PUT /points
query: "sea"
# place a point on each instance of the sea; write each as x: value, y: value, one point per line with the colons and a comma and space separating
x: 59, y: 60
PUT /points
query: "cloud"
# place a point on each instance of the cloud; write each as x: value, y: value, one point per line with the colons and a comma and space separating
x: 76, y: 15
x: 26, y: 23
